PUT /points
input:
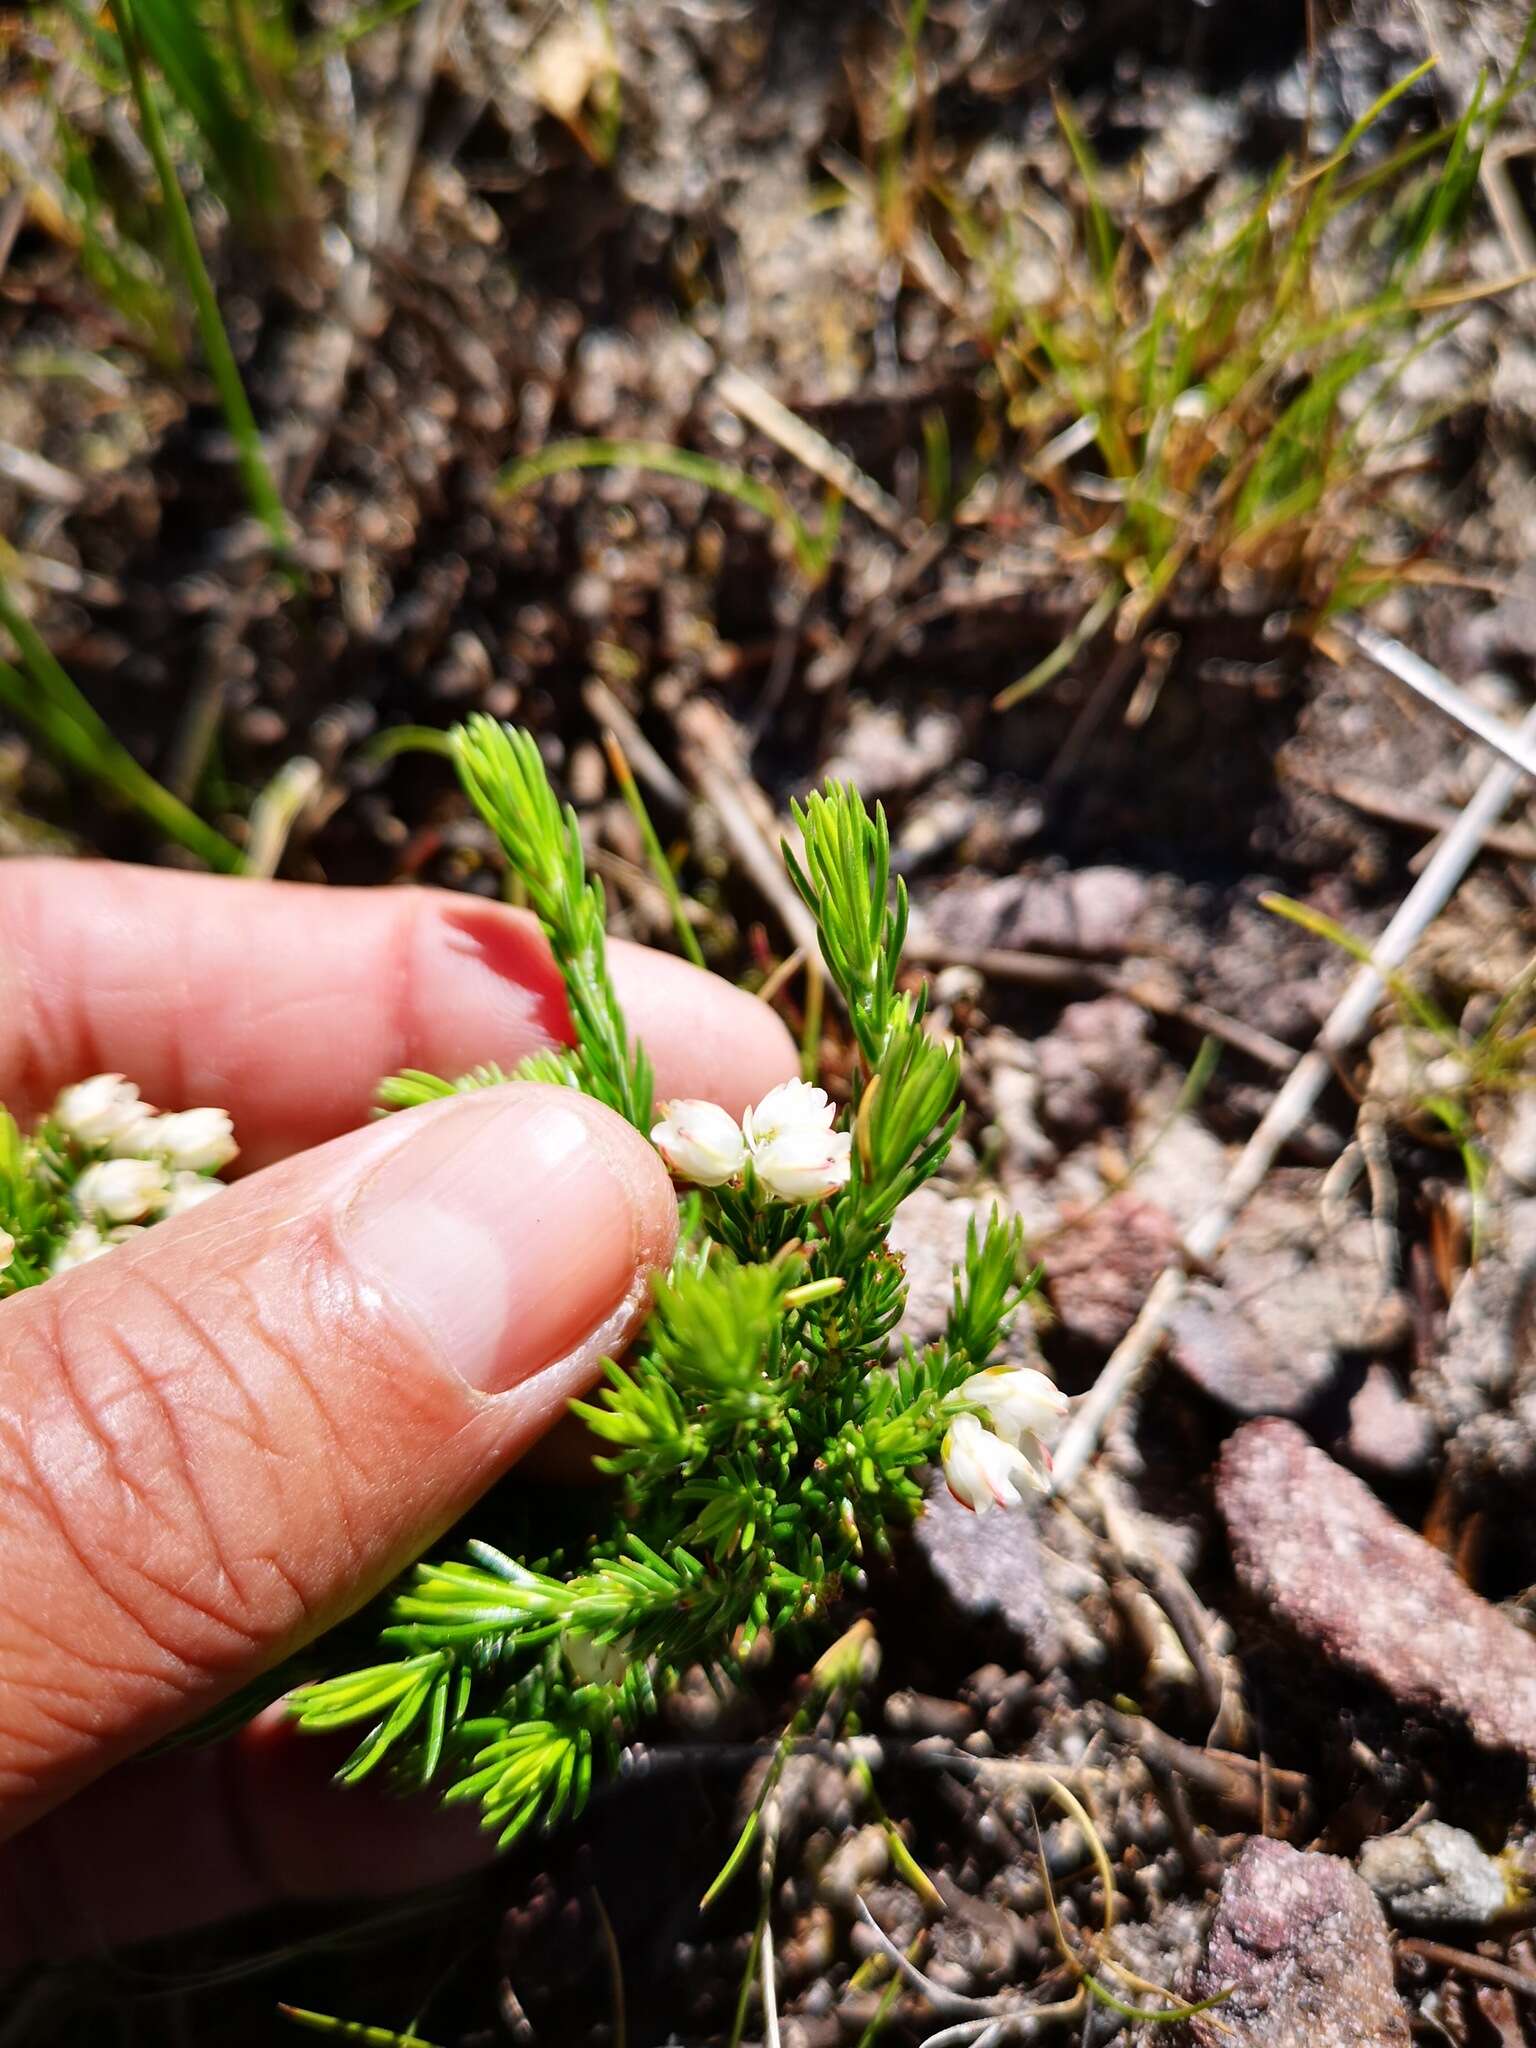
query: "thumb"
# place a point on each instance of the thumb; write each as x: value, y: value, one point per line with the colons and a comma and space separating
x: 220, y: 1439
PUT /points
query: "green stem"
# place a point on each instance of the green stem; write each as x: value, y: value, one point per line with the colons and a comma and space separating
x: 655, y: 852
x: 260, y: 489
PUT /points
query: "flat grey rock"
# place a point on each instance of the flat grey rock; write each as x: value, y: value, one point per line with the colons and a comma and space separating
x: 1289, y: 1298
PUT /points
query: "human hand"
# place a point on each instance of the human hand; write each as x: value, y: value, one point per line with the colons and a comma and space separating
x: 220, y: 1439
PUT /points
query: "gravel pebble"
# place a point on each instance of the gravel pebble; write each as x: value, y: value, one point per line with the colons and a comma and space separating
x: 1434, y: 1876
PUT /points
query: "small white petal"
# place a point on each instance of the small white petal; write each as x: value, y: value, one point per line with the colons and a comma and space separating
x: 1022, y: 1403
x: 792, y: 1106
x: 700, y: 1141
x: 593, y: 1663
x: 983, y: 1472
x: 195, y: 1140
x: 83, y: 1243
x: 94, y: 1111
x: 121, y: 1190
x: 136, y: 1138
x: 188, y: 1190
x: 804, y: 1165
x: 7, y: 1249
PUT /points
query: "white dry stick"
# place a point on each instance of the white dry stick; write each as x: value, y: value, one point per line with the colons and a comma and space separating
x: 771, y: 2037
x: 760, y: 409
x: 712, y: 756
x: 939, y: 1996
x: 1299, y: 1093
x: 978, y: 2033
x: 1437, y: 689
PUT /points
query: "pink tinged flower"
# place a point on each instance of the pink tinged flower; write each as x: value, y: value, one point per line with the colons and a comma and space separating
x: 1023, y: 1404
x: 792, y: 1106
x: 805, y: 1164
x: 700, y: 1142
x: 121, y: 1190
x: 796, y: 1154
x: 983, y: 1472
x: 96, y: 1111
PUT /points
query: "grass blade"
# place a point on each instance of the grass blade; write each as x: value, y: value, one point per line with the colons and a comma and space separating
x: 260, y: 490
x: 52, y: 704
x: 662, y: 459
x: 655, y: 852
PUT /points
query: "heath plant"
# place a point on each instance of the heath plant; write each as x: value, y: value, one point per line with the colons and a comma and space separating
x: 765, y: 1439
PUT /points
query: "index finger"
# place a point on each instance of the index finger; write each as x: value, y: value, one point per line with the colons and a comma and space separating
x: 286, y: 1004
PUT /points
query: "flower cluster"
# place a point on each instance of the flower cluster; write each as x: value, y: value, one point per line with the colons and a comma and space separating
x: 787, y: 1143
x: 143, y: 1165
x: 984, y: 1468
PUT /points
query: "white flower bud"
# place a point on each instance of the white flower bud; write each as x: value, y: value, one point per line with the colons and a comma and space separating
x: 136, y: 1139
x: 121, y: 1190
x: 195, y: 1140
x: 700, y: 1141
x: 188, y: 1190
x: 792, y: 1106
x: 93, y: 1112
x: 981, y: 1471
x: 593, y: 1663
x: 7, y: 1249
x: 804, y: 1165
x: 1023, y: 1404
x: 84, y: 1242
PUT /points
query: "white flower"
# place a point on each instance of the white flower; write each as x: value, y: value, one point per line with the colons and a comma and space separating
x: 804, y: 1164
x: 121, y: 1190
x: 792, y: 1106
x: 194, y: 1140
x: 136, y: 1139
x: 593, y: 1663
x: 983, y: 1472
x: 188, y: 1189
x: 789, y: 1139
x: 7, y: 1249
x: 700, y: 1141
x: 84, y: 1242
x: 1024, y: 1405
x: 796, y: 1154
x: 94, y: 1112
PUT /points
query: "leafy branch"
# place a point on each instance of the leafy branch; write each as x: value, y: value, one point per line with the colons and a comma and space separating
x: 759, y: 1443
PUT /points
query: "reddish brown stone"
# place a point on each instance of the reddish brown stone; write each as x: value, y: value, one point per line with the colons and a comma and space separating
x: 1100, y: 1266
x: 1317, y: 1547
x: 1302, y: 1945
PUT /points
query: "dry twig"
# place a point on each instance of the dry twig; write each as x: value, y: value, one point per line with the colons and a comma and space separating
x: 1298, y: 1096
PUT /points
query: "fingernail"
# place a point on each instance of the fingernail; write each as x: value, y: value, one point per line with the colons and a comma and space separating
x: 510, y: 1227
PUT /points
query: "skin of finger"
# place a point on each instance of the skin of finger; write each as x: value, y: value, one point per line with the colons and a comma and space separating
x: 286, y: 1004
x: 218, y: 1440
x: 236, y: 1826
